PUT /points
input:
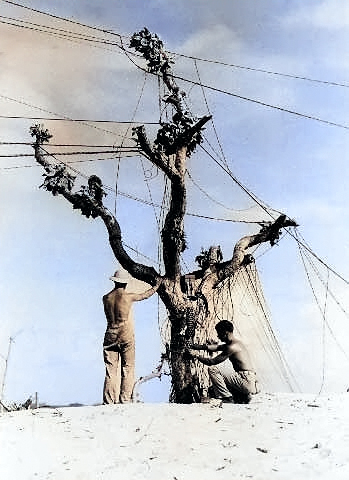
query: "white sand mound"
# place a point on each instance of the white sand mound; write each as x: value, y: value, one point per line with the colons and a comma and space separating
x: 276, y: 436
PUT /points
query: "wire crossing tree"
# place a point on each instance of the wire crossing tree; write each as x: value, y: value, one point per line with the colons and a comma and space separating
x: 175, y: 142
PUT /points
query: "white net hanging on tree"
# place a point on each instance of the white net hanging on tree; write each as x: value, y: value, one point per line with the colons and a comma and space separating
x: 240, y: 300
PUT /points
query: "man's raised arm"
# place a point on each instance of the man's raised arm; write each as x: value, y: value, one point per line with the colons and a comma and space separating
x: 136, y: 297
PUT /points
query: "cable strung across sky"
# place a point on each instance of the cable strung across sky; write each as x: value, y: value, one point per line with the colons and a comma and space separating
x: 232, y: 65
x: 209, y: 87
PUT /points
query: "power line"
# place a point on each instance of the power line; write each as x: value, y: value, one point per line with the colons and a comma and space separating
x: 264, y: 104
x: 232, y: 65
x: 241, y: 97
x: 72, y: 36
x: 127, y: 195
x: 245, y: 189
x: 248, y: 99
x: 308, y: 249
x: 293, y: 112
x: 64, y: 145
x: 60, y: 31
x: 94, y: 42
x: 82, y: 122
x: 208, y: 109
x: 65, y: 119
x: 16, y: 167
x: 260, y: 70
x: 75, y: 22
x: 125, y: 136
x: 15, y: 155
x: 213, y: 199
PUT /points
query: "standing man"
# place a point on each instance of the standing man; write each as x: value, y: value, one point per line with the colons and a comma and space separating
x: 119, y: 339
x: 234, y: 381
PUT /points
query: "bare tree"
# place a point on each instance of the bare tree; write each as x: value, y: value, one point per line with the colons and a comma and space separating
x: 175, y: 142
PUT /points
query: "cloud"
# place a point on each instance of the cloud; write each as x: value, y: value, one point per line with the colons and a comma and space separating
x: 327, y: 15
x: 61, y: 76
x: 212, y: 42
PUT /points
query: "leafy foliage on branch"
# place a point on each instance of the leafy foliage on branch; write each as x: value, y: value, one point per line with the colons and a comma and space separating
x: 41, y: 134
x: 57, y: 179
x: 176, y: 134
x: 272, y: 230
x: 151, y: 47
x: 82, y: 201
x: 181, y: 130
x: 95, y: 189
x: 87, y: 198
x: 171, y: 136
x: 209, y: 257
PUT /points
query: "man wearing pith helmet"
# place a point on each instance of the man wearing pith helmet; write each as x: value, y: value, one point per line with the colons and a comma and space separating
x: 119, y: 339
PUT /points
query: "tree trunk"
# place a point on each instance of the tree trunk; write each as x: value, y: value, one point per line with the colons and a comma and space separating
x: 185, y: 387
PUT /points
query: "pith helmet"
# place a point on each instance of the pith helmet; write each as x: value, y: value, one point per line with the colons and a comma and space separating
x: 119, y: 277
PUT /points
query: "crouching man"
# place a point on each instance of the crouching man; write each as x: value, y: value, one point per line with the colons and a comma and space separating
x: 234, y: 381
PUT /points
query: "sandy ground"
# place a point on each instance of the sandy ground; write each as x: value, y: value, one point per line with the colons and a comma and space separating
x: 276, y: 436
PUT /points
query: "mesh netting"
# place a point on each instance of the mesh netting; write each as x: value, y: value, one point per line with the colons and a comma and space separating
x: 240, y: 299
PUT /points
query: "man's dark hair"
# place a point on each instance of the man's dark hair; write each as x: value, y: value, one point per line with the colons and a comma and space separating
x: 224, y: 326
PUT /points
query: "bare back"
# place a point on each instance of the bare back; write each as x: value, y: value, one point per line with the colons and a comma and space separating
x: 238, y: 355
x: 117, y: 308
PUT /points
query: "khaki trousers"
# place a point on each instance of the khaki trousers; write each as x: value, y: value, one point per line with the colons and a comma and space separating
x: 119, y: 361
x: 226, y: 381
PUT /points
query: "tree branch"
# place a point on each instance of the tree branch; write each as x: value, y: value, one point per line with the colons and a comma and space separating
x: 269, y: 233
x: 152, y: 155
x: 89, y: 201
x: 173, y: 231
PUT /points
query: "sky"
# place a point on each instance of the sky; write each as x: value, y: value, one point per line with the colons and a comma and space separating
x: 279, y: 98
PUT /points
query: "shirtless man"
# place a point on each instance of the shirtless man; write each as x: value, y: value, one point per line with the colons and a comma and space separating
x: 234, y: 381
x: 119, y: 341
